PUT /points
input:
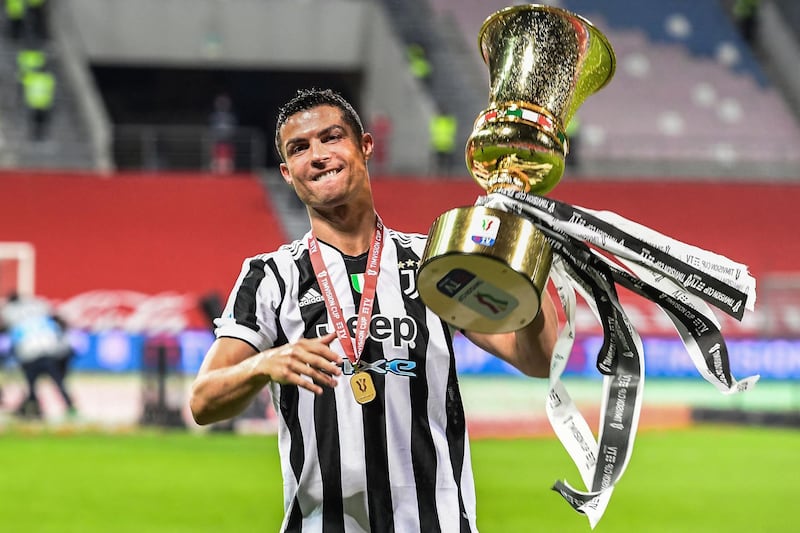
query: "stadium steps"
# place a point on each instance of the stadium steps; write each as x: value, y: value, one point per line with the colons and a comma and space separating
x: 65, y: 146
x: 458, y: 84
x: 285, y: 204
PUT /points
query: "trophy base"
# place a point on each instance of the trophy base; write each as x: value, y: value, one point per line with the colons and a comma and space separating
x: 484, y: 270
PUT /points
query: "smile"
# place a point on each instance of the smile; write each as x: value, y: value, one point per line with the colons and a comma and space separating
x: 328, y: 174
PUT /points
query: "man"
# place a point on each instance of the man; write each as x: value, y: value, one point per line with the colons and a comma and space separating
x: 443, y: 129
x: 372, y: 432
x: 40, y: 345
x: 39, y: 87
x: 223, y: 124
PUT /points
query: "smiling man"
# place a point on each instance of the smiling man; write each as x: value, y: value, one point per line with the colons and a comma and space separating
x: 372, y: 433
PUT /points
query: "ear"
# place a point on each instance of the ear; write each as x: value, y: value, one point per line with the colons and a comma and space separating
x: 367, y: 145
x: 287, y: 177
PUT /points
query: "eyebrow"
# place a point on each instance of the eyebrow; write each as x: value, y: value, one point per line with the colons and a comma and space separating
x: 321, y: 133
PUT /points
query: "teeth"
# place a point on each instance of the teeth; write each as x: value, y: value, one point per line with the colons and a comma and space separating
x: 326, y: 175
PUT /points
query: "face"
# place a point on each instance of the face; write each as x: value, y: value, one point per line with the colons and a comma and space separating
x: 325, y: 162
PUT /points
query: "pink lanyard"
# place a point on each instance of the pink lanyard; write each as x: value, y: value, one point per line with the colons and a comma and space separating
x: 367, y: 296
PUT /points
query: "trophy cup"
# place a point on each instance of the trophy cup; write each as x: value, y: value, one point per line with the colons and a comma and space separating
x: 484, y: 269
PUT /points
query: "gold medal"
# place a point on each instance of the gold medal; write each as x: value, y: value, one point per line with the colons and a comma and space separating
x: 363, y: 387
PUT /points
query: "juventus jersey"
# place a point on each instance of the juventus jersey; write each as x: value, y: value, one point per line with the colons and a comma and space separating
x: 399, y: 463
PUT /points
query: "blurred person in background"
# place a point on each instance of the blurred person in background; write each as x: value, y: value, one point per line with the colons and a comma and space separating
x: 745, y: 13
x: 573, y: 133
x: 39, y: 343
x: 223, y: 123
x: 381, y: 128
x: 30, y: 59
x: 418, y: 64
x: 443, y: 129
x: 15, y: 16
x: 39, y: 88
x: 372, y: 431
x: 37, y: 14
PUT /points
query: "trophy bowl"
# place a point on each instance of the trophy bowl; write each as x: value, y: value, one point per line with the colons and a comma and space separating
x: 543, y: 62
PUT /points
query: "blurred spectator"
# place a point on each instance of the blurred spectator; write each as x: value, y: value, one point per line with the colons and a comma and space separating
x: 29, y: 60
x: 223, y: 123
x: 39, y: 88
x: 37, y: 15
x: 443, y: 129
x: 418, y: 63
x: 745, y: 12
x: 381, y: 129
x: 39, y: 344
x: 15, y: 14
x: 573, y: 133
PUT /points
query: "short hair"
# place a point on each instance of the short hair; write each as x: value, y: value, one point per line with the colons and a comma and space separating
x: 310, y: 98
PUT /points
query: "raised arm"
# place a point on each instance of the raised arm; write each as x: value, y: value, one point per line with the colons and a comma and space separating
x: 528, y: 349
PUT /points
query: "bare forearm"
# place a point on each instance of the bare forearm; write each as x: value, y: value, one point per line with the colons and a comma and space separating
x: 528, y: 349
x: 535, y: 342
x: 226, y: 392
x: 232, y: 374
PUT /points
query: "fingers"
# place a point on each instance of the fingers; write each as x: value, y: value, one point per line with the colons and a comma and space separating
x: 327, y: 338
x: 308, y: 363
x: 299, y: 376
x: 318, y: 354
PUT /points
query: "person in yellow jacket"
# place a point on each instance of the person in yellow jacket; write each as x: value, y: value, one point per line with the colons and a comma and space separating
x: 745, y: 12
x: 15, y: 15
x: 418, y: 63
x: 39, y: 88
x: 29, y: 59
x: 443, y: 129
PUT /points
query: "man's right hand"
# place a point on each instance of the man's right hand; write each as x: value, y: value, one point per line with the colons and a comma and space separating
x: 294, y: 363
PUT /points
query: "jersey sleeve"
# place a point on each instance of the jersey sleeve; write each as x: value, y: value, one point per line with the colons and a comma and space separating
x: 251, y: 308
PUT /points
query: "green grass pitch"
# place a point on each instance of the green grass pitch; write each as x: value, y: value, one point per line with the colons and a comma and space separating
x: 704, y: 479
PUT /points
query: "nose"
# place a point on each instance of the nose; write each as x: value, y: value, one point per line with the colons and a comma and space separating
x: 319, y: 152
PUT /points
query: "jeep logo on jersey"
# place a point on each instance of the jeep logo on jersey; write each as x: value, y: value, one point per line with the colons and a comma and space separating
x: 401, y: 330
x: 400, y: 367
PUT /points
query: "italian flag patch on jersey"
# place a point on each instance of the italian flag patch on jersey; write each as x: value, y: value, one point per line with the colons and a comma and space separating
x: 357, y: 281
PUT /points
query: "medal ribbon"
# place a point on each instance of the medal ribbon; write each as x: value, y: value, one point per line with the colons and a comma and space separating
x: 367, y: 295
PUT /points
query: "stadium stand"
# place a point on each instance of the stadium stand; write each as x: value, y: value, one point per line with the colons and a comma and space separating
x: 673, y: 109
x: 66, y: 145
x: 457, y: 83
x: 689, y: 96
x: 690, y: 101
x: 684, y: 100
x: 704, y: 28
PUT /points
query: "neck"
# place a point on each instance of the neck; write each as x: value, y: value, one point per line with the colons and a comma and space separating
x: 350, y: 231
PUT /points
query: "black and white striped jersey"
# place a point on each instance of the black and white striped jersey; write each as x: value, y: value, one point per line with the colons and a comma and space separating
x: 399, y: 463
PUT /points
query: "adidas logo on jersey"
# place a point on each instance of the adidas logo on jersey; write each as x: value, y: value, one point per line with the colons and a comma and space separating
x: 311, y: 296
